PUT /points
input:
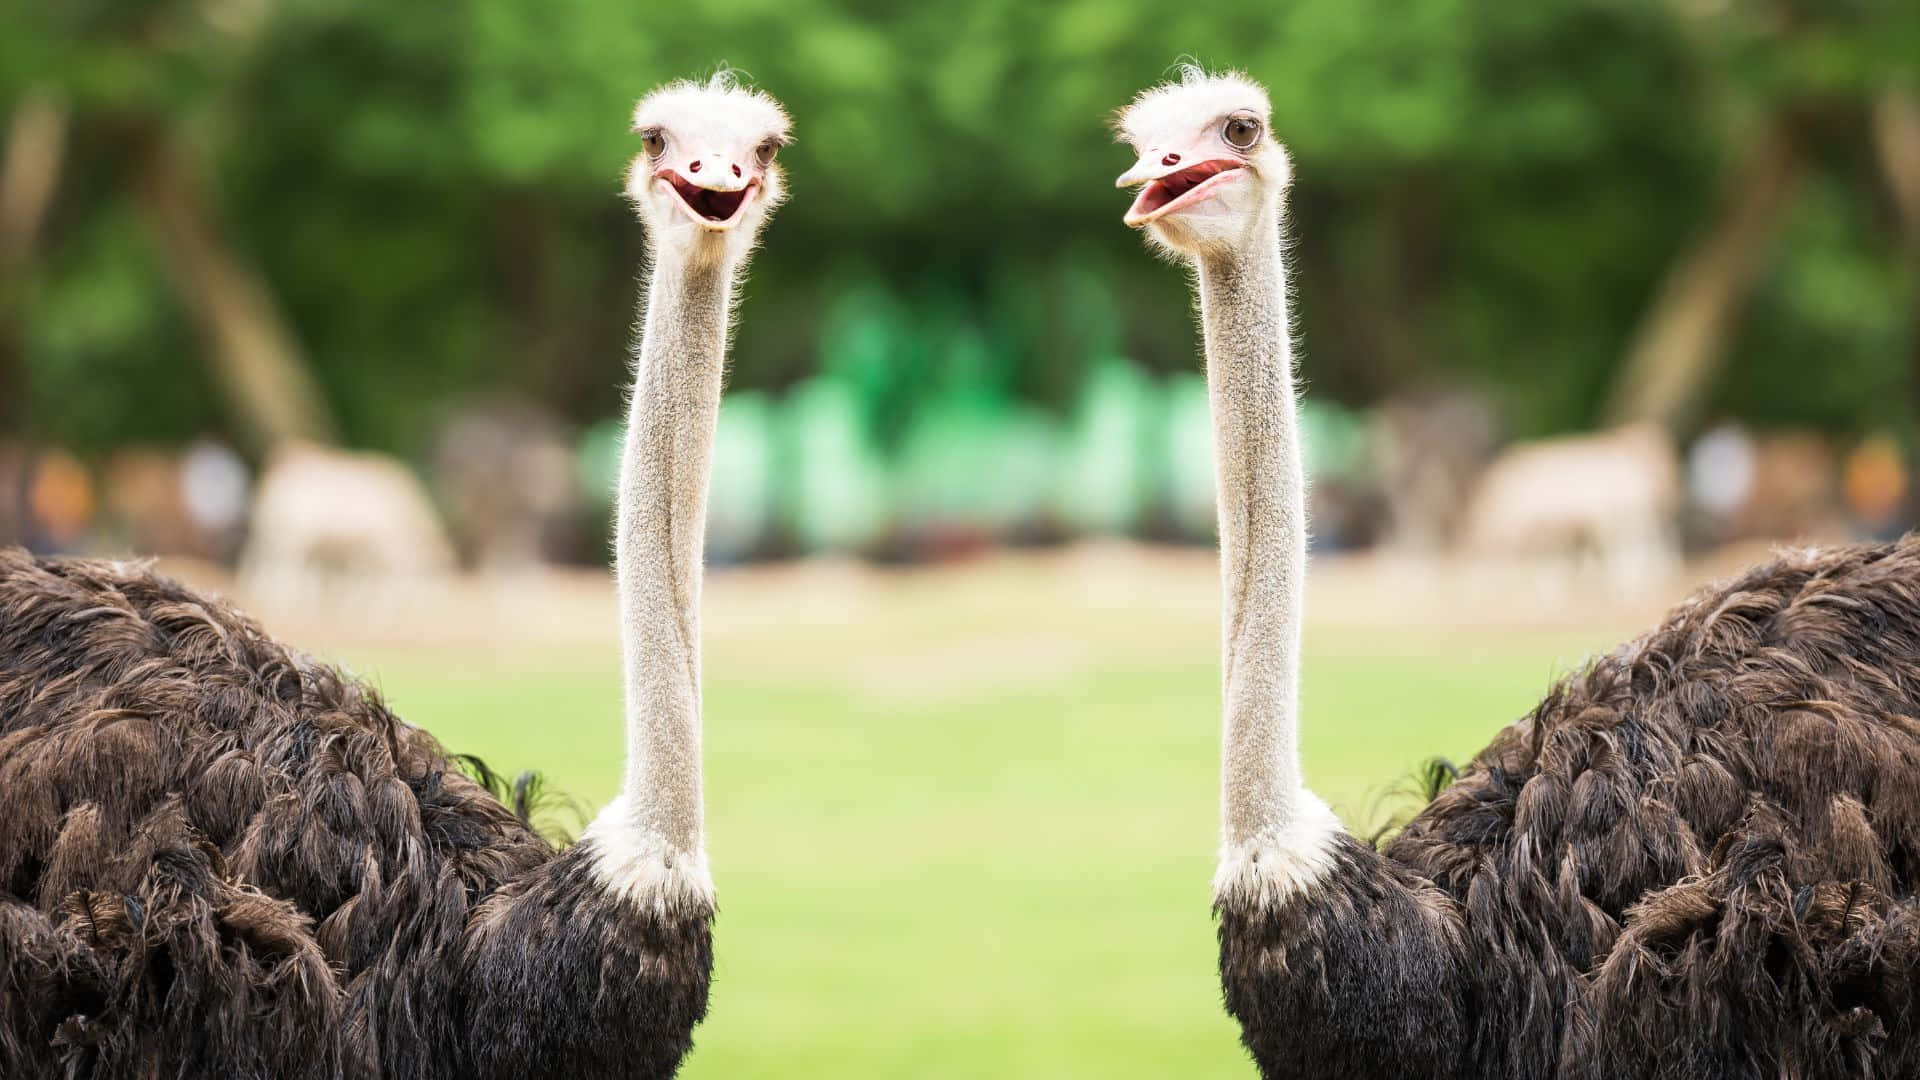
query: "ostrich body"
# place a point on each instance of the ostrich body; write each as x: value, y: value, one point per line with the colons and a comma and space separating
x: 1695, y: 858
x: 219, y: 858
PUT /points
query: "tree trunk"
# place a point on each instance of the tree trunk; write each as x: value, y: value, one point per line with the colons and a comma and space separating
x: 29, y: 175
x: 1896, y: 135
x: 255, y: 358
x: 1682, y: 340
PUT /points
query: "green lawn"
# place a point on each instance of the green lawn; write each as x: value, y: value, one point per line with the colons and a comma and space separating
x: 966, y: 831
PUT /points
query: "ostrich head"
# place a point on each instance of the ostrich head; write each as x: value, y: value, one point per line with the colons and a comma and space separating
x: 705, y: 181
x: 1212, y: 172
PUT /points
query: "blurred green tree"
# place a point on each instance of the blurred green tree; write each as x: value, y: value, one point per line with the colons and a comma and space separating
x: 152, y: 84
x: 1488, y: 192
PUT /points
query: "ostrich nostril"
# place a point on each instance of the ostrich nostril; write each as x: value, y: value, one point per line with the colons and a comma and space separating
x: 736, y: 170
x: 1170, y: 159
x: 693, y: 166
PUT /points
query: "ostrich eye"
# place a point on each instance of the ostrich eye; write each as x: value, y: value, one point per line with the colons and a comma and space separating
x: 1241, y: 132
x: 767, y: 152
x: 655, y: 142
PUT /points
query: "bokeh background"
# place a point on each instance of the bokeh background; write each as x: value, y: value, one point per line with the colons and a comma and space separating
x: 327, y: 304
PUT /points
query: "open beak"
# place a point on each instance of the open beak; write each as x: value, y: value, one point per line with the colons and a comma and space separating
x: 1169, y: 189
x: 715, y: 209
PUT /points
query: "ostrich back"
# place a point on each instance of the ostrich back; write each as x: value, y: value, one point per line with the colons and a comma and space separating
x: 219, y: 858
x: 1698, y: 857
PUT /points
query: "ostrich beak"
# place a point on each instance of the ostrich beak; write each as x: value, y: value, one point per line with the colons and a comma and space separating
x: 716, y: 208
x: 1174, y: 182
x: 1151, y: 166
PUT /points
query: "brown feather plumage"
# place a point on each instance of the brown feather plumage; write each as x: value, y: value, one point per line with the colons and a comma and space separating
x: 1698, y: 857
x: 220, y: 858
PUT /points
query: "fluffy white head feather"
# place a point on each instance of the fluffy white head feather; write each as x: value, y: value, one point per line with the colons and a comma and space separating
x: 706, y: 178
x: 1210, y: 171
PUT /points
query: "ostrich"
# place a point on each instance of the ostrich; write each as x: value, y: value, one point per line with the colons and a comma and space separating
x: 1695, y: 858
x: 220, y: 858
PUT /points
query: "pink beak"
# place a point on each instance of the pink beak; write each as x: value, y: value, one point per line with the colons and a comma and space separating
x: 1174, y: 181
x: 1153, y: 165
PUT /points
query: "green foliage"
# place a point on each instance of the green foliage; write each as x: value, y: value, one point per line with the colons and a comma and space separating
x: 1486, y: 192
x: 1842, y: 325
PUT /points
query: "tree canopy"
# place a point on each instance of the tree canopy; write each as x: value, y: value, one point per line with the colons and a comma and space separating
x: 1487, y: 193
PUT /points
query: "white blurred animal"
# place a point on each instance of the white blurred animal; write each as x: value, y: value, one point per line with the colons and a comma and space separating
x: 327, y: 523
x: 1609, y: 499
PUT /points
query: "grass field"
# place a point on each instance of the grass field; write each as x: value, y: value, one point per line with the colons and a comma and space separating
x: 962, y: 822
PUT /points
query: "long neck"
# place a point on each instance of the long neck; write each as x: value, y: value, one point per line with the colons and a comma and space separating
x: 662, y: 516
x: 1263, y: 530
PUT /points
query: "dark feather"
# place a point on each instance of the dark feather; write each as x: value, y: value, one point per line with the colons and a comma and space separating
x: 1698, y: 857
x: 220, y: 858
